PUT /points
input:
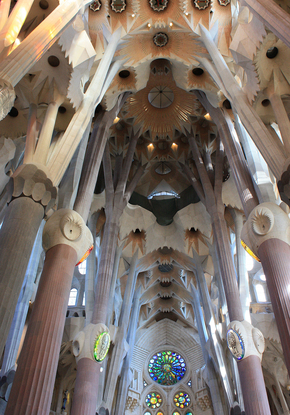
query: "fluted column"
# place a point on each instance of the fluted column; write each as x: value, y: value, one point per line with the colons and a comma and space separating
x: 19, y: 319
x: 33, y: 195
x: 277, y: 271
x: 66, y: 239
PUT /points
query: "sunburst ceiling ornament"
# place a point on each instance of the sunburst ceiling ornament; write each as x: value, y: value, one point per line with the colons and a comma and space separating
x: 96, y: 5
x: 161, y: 121
x: 161, y: 96
x: 158, y: 5
x: 201, y: 4
x: 160, y: 39
x: 118, y: 6
x: 224, y: 2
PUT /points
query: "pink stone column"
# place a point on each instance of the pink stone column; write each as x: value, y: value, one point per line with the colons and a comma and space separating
x: 275, y: 258
x: 32, y: 389
x: 87, y: 383
x: 253, y: 386
x: 21, y: 223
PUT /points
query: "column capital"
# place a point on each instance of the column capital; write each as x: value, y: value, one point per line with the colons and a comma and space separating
x: 92, y: 342
x: 265, y: 222
x: 7, y: 98
x: 244, y: 340
x: 67, y: 227
x: 30, y: 180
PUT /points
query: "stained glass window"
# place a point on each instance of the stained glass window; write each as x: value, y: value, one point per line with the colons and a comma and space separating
x: 189, y: 383
x: 176, y: 413
x: 167, y: 368
x: 159, y: 413
x: 153, y: 400
x: 182, y: 400
x: 147, y: 413
x: 189, y: 413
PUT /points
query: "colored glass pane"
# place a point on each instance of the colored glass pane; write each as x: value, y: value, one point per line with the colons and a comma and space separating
x: 153, y: 400
x: 167, y: 368
x: 176, y: 413
x: 147, y: 413
x: 181, y: 400
x: 189, y: 413
x: 159, y: 413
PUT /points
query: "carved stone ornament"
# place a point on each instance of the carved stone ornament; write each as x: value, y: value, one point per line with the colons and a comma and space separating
x: 160, y: 39
x: 93, y: 342
x: 224, y: 2
x: 265, y: 222
x: 31, y: 181
x: 118, y: 6
x: 67, y: 227
x: 201, y: 4
x: 96, y: 5
x: 7, y: 98
x: 158, y: 5
x: 244, y: 340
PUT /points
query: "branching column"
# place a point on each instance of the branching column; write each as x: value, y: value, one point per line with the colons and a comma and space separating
x: 66, y: 239
x: 254, y: 391
x: 117, y: 197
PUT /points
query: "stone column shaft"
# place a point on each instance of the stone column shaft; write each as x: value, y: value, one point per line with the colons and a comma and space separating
x: 39, y: 357
x: 31, y: 134
x: 86, y: 385
x: 118, y: 352
x: 114, y: 279
x: 253, y: 386
x: 19, y: 319
x: 124, y: 381
x: 22, y: 220
x: 275, y: 257
x: 4, y: 12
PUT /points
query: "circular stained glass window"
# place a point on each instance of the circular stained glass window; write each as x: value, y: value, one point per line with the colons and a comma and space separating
x: 176, y: 413
x: 167, y: 368
x: 153, y: 400
x: 182, y: 400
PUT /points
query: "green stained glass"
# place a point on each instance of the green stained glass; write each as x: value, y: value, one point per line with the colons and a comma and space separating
x: 153, y: 400
x: 167, y: 367
x: 181, y: 400
x: 176, y: 413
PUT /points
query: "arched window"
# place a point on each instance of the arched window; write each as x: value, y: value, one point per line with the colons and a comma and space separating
x: 260, y: 293
x: 83, y: 267
x: 84, y: 299
x: 73, y: 296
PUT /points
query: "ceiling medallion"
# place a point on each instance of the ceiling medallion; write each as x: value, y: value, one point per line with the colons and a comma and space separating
x: 96, y: 5
x: 160, y: 39
x: 161, y: 96
x: 118, y: 6
x: 158, y: 5
x: 224, y: 2
x: 101, y: 346
x: 201, y: 4
x: 236, y: 344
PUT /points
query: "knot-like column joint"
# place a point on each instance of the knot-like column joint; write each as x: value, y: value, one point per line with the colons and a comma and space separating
x: 92, y: 342
x: 7, y: 98
x: 67, y: 227
x: 244, y: 340
x: 31, y: 181
x: 265, y: 222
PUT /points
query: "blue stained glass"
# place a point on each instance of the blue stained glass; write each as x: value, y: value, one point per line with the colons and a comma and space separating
x: 167, y: 368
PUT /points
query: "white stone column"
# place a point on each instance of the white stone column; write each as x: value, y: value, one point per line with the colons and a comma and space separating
x: 281, y: 117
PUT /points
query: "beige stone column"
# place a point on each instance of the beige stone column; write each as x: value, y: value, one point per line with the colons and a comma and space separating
x: 281, y: 117
x: 65, y: 239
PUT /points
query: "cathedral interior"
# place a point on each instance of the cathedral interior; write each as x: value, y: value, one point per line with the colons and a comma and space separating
x: 144, y: 207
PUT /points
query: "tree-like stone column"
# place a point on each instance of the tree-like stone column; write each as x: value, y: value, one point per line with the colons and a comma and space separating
x: 33, y: 196
x: 117, y: 197
x: 210, y: 193
x: 65, y: 239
